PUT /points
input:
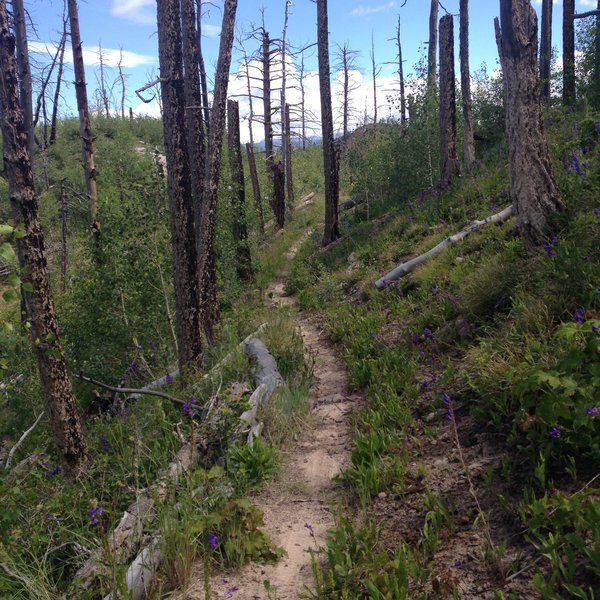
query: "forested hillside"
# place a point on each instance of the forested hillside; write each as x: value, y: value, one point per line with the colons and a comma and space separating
x: 366, y: 366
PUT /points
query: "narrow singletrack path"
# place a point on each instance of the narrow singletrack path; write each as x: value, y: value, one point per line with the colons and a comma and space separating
x: 299, y: 505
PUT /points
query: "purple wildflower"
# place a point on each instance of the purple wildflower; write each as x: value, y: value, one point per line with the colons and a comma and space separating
x: 309, y: 527
x: 213, y: 541
x: 398, y: 288
x: 595, y: 328
x: 575, y: 165
x: 383, y: 280
x: 493, y: 207
x: 95, y: 513
x: 448, y: 404
x: 549, y: 247
x: 189, y: 408
x: 168, y: 379
x: 56, y: 471
x: 427, y: 332
x: 105, y: 445
x: 597, y: 212
x: 594, y: 411
x: 579, y: 316
x: 555, y: 432
x: 597, y: 126
x: 587, y: 258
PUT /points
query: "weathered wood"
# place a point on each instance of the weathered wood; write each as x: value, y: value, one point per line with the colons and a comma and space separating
x: 449, y: 164
x: 569, y: 95
x: 330, y: 162
x: 20, y: 441
x: 431, y: 51
x: 209, y: 306
x: 289, y: 179
x: 179, y: 186
x: 238, y: 194
x: 409, y: 266
x: 85, y: 127
x: 546, y: 49
x: 401, y: 75
x: 533, y: 187
x: 465, y: 88
x: 255, y: 187
x: 57, y: 390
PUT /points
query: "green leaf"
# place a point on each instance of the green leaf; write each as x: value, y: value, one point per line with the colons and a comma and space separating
x: 5, y: 229
x: 13, y: 280
x: 28, y: 287
x: 9, y: 296
x: 7, y: 252
x: 20, y: 232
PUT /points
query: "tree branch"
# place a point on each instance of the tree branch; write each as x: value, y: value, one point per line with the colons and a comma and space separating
x: 21, y: 440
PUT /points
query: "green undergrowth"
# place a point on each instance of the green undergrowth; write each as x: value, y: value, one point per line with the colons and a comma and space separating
x: 115, y: 308
x: 504, y: 331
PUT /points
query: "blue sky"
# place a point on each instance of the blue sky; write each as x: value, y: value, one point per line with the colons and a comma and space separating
x: 130, y: 24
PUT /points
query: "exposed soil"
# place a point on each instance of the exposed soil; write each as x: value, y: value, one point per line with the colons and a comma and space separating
x: 298, y: 507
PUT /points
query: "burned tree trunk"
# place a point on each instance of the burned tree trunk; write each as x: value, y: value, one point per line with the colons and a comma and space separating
x: 546, y: 49
x: 331, y: 231
x: 201, y: 65
x: 24, y: 71
x: 449, y: 165
x: 255, y: 187
x: 60, y: 400
x: 238, y: 194
x: 569, y: 93
x: 179, y: 186
x: 431, y: 53
x: 285, y: 114
x: 401, y: 75
x: 533, y: 188
x: 61, y: 66
x: 193, y: 110
x: 465, y: 87
x: 85, y: 128
x: 288, y: 163
x: 209, y: 306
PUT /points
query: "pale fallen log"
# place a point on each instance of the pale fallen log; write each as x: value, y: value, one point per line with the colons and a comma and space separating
x: 409, y: 266
x: 21, y: 440
x: 308, y: 200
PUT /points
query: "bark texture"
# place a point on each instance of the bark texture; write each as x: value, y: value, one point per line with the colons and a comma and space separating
x: 85, y: 127
x: 179, y: 187
x: 238, y: 193
x: 60, y: 400
x: 546, y: 49
x: 331, y: 230
x: 401, y: 75
x: 431, y: 54
x: 569, y: 95
x: 209, y: 306
x: 289, y: 181
x: 59, y: 75
x: 255, y: 187
x: 533, y: 187
x: 449, y: 164
x: 24, y: 71
x: 465, y: 87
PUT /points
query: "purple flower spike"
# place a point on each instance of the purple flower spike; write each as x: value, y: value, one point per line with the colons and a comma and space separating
x: 213, y: 541
x: 56, y: 471
x: 168, y: 379
x: 596, y: 328
x: 189, y: 408
x: 427, y: 332
x: 597, y: 126
x: 597, y: 212
x: 555, y: 432
x: 579, y: 316
x: 593, y: 412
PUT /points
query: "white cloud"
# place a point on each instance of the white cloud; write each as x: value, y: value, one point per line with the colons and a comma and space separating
x: 361, y: 11
x: 91, y: 55
x: 140, y: 11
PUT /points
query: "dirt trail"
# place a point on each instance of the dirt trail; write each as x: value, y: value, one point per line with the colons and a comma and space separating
x: 302, y: 499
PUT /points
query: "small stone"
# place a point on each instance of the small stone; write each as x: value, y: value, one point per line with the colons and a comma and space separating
x: 382, y: 495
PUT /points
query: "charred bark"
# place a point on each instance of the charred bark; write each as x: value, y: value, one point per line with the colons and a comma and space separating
x: 85, y: 128
x: 569, y: 93
x: 331, y: 230
x: 202, y: 67
x: 288, y: 163
x: 433, y: 37
x: 546, y: 49
x: 401, y: 75
x: 209, y: 306
x: 255, y: 188
x: 61, y: 403
x: 24, y: 71
x: 59, y: 74
x: 533, y: 187
x: 179, y: 186
x: 449, y: 164
x: 465, y: 87
x: 278, y: 204
x: 238, y: 193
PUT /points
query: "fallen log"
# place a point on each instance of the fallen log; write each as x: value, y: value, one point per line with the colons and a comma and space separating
x: 409, y: 266
x: 308, y: 200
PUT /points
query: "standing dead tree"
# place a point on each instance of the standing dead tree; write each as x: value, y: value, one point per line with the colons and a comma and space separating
x: 533, y: 187
x: 465, y: 88
x: 209, y: 307
x: 103, y: 92
x: 24, y: 71
x: 59, y: 75
x: 346, y: 63
x: 179, y: 186
x: 85, y: 128
x: 432, y: 50
x: 286, y: 146
x: 238, y: 193
x: 546, y: 48
x: 375, y: 70
x: 60, y: 400
x: 202, y: 67
x: 449, y: 164
x: 330, y: 162
x: 400, y: 64
x: 569, y: 93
